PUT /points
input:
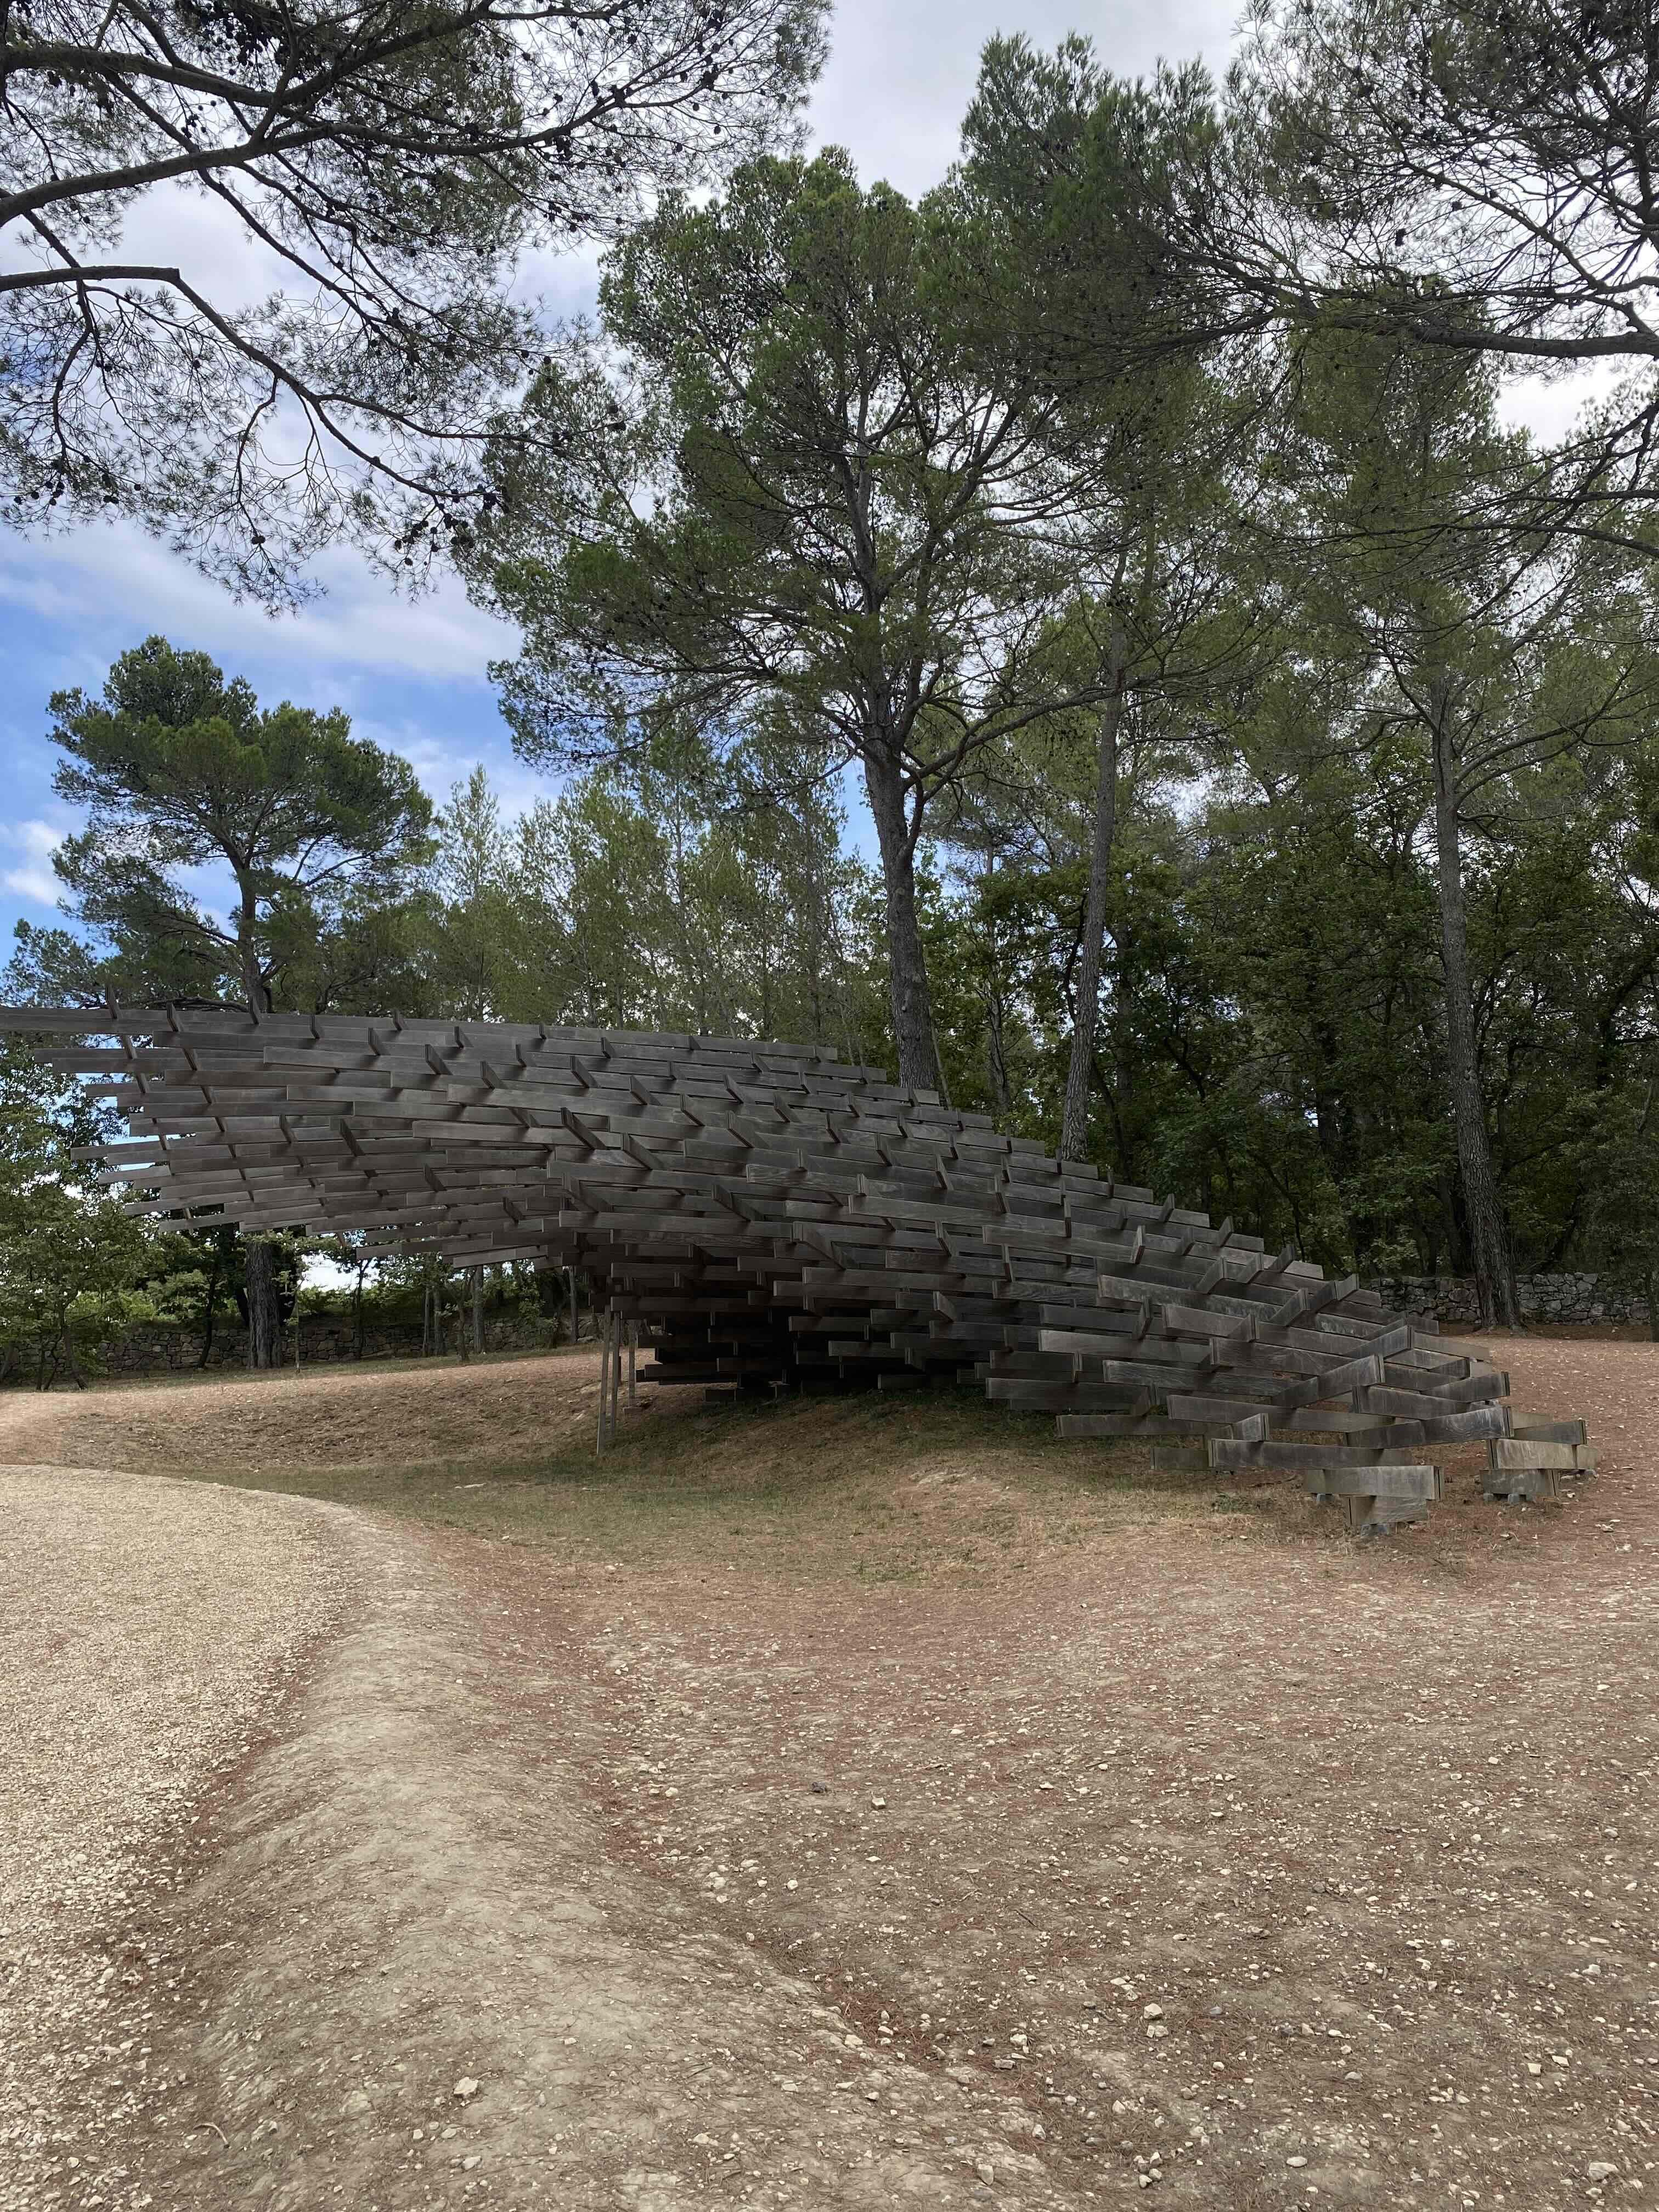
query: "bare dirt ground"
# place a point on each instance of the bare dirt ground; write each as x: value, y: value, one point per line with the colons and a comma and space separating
x: 148, y: 1633
x: 847, y: 1801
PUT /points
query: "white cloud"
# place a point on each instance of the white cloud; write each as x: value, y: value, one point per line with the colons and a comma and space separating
x: 112, y: 574
x: 442, y: 759
x: 32, y: 877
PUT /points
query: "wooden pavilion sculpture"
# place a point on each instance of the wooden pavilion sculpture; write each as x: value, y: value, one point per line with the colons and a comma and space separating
x: 776, y: 1219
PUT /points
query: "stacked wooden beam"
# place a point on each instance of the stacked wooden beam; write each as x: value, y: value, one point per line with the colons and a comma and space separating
x: 777, y: 1219
x: 1538, y: 1458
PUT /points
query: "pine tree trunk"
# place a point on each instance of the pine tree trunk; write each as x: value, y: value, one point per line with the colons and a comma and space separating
x: 913, y: 1009
x: 208, y: 1305
x: 1489, y: 1243
x: 477, y: 1310
x: 265, y: 1312
x: 254, y: 988
x: 1074, y: 1121
x: 996, y: 1052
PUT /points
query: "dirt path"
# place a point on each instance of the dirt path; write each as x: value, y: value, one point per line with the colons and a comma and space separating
x: 408, y: 1893
x: 149, y: 1633
x: 1257, y: 1873
x: 1269, y: 1874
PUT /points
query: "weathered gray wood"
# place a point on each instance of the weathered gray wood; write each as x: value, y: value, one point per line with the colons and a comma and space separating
x: 1289, y: 1458
x: 1533, y: 1451
x: 771, y: 1211
x: 1548, y: 1433
x: 1386, y: 1482
x: 1541, y: 1484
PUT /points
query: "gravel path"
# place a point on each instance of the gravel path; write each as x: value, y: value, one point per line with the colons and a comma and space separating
x: 146, y: 1628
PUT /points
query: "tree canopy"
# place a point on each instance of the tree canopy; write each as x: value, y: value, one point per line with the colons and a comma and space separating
x: 181, y: 770
x: 819, y: 485
x: 388, y: 167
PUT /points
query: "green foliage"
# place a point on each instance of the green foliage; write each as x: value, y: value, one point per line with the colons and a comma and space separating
x: 1272, y: 1037
x: 814, y: 489
x: 1254, y: 662
x: 70, y: 1261
x: 179, y: 769
x: 679, y: 894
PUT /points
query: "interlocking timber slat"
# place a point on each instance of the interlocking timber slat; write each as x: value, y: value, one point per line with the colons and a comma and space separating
x: 770, y: 1217
x: 1538, y: 1460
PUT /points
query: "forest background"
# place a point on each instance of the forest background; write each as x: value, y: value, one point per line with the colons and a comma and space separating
x: 1257, y: 727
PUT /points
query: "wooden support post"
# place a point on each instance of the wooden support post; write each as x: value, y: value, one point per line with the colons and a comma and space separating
x: 604, y: 1384
x: 571, y: 1272
x: 633, y: 1353
x: 615, y: 1368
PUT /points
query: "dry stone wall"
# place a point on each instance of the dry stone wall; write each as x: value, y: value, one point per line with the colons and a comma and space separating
x: 1544, y: 1298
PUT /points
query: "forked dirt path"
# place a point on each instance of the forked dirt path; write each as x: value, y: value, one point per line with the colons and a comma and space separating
x: 1252, y: 1874
x: 411, y: 1894
x: 405, y: 1970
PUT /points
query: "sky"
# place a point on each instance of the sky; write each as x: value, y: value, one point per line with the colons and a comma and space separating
x: 413, y: 674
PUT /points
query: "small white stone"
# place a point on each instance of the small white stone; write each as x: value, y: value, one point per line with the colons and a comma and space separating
x: 880, y: 1804
x: 1151, y: 2012
x: 465, y: 2087
x: 1599, y: 2169
x: 986, y: 2171
x: 1296, y: 2161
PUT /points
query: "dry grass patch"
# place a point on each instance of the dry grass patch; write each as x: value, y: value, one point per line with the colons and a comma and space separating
x: 933, y: 1485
